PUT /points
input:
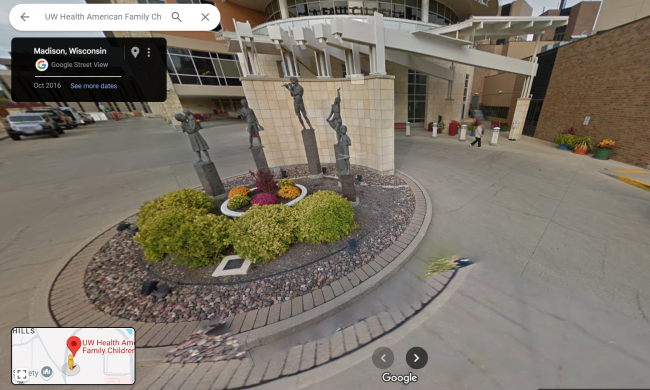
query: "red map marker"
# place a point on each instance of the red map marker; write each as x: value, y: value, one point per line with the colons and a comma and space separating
x: 74, y: 344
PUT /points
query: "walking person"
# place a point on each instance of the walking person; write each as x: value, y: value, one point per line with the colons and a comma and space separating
x: 478, y: 133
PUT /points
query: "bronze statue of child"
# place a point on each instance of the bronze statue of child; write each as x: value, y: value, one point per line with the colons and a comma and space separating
x: 252, y: 124
x: 335, y: 115
x: 189, y: 126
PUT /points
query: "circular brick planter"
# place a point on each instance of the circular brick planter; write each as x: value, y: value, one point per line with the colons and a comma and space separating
x: 70, y: 306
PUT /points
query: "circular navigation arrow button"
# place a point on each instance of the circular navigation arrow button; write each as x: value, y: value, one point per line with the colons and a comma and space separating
x: 383, y: 358
x: 417, y: 358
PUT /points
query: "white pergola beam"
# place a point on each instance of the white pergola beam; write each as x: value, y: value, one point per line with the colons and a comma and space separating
x: 420, y: 65
x: 438, y: 47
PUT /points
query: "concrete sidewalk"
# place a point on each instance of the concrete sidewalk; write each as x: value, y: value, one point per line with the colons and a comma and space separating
x: 559, y: 295
x: 558, y: 298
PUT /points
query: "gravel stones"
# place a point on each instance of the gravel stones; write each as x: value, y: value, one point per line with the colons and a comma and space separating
x: 200, y: 347
x: 115, y: 274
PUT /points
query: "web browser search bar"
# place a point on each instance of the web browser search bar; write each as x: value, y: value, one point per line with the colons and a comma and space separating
x: 114, y: 17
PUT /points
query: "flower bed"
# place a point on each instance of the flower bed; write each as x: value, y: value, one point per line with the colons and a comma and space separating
x: 118, y: 269
x: 225, y: 209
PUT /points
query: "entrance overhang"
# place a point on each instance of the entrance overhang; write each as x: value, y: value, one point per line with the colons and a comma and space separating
x: 345, y: 39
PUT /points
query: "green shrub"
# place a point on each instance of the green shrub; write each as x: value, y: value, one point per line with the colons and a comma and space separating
x: 569, y: 140
x: 263, y: 232
x: 239, y: 201
x: 324, y: 217
x: 200, y: 242
x: 157, y: 237
x: 185, y: 198
x: 286, y: 182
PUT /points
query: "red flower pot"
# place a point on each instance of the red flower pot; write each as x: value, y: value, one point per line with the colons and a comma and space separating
x: 583, y: 150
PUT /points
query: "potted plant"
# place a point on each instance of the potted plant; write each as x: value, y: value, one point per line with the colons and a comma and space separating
x: 453, y: 126
x: 604, y: 149
x: 503, y: 125
x: 583, y: 145
x: 562, y: 141
x: 441, y: 127
x: 430, y: 127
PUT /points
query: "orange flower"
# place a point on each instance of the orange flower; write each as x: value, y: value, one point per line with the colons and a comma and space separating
x: 289, y: 192
x: 239, y: 191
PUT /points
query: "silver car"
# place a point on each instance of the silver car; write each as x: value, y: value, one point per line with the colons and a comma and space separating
x: 28, y: 124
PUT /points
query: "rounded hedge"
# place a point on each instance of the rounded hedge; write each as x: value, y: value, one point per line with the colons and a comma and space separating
x: 323, y: 217
x: 157, y: 237
x: 263, y: 233
x: 200, y: 242
x: 185, y: 198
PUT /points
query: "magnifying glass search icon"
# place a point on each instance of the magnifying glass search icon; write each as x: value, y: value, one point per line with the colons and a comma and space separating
x: 176, y: 16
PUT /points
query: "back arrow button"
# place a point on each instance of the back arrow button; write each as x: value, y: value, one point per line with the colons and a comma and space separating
x: 383, y: 358
x: 23, y: 17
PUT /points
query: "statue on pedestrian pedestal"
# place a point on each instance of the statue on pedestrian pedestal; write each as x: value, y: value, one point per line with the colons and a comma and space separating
x: 206, y: 170
x: 189, y: 126
x: 297, y: 91
x: 334, y: 119
x: 252, y: 125
x: 345, y: 142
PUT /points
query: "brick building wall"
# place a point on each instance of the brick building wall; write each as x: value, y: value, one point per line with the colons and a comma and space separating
x: 481, y: 73
x: 606, y: 77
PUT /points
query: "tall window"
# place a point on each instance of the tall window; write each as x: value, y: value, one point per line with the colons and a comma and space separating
x: 465, y: 92
x: 417, y: 96
x: 202, y: 68
x: 402, y: 9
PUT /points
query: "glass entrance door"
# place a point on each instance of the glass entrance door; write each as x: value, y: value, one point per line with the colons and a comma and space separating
x: 417, y: 97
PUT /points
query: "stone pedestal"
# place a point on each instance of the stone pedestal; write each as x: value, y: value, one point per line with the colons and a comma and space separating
x: 340, y: 163
x: 260, y: 158
x: 311, y: 149
x: 209, y: 177
x: 347, y: 184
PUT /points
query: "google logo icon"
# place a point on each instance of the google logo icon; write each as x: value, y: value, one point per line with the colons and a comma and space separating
x: 41, y: 64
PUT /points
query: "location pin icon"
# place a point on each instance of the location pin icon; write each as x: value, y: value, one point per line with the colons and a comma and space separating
x: 135, y: 51
x: 73, y: 342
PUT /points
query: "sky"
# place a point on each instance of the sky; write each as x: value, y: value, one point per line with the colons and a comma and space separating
x: 7, y: 32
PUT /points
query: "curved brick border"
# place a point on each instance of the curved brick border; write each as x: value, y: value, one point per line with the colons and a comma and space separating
x: 70, y: 307
x: 234, y: 374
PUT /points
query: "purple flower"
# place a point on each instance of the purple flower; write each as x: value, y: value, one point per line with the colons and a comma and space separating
x: 263, y: 199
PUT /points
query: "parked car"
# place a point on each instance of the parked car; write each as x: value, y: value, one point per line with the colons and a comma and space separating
x: 58, y: 116
x: 74, y: 114
x: 87, y: 118
x: 28, y: 124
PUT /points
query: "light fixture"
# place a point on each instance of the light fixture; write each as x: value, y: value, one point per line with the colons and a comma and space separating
x: 161, y: 290
x: 284, y: 174
x: 324, y: 170
x: 464, y: 262
x: 122, y: 226
x: 148, y: 287
x: 359, y: 177
x: 133, y: 229
x: 352, y: 246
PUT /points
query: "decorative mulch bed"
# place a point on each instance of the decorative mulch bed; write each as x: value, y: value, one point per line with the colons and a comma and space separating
x: 115, y: 274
